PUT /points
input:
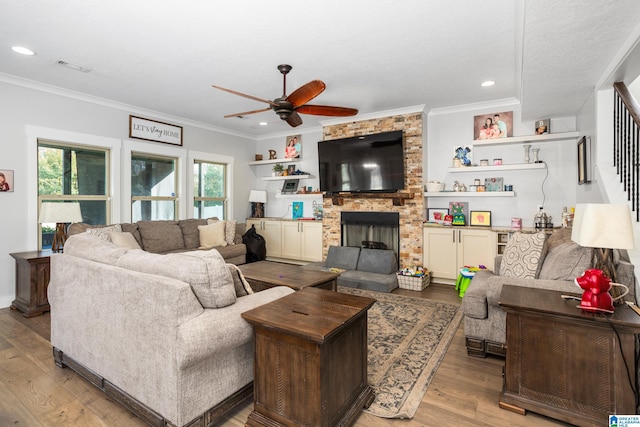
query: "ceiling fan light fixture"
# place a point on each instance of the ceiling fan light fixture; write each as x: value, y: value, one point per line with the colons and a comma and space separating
x: 23, y: 50
x: 487, y: 83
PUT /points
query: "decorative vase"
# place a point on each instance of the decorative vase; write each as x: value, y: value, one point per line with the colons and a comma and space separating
x: 527, y: 149
x: 535, y: 155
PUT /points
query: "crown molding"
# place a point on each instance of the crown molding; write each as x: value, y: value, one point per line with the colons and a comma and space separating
x: 376, y: 115
x: 489, y: 105
x: 131, y: 109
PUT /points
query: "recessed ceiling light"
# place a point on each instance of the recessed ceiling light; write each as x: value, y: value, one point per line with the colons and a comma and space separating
x: 23, y: 50
x: 487, y: 83
x: 263, y: 123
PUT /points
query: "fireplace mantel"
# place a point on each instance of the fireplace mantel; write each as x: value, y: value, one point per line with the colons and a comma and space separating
x: 397, y: 198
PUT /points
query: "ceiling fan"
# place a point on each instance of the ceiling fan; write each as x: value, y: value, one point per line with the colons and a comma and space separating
x: 288, y: 107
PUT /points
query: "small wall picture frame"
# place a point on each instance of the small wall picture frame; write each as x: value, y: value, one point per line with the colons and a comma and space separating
x: 543, y: 126
x: 6, y: 181
x: 293, y: 147
x: 291, y: 169
x: 584, y: 160
x: 480, y: 218
x: 437, y: 215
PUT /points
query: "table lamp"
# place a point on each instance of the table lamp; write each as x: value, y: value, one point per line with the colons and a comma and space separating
x: 61, y: 213
x: 257, y: 198
x: 603, y: 227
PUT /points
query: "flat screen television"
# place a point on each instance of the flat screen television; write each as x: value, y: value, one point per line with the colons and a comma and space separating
x: 362, y: 164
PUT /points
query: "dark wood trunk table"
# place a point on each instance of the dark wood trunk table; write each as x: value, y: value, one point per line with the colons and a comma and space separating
x: 310, y: 364
x: 566, y: 363
x: 262, y: 275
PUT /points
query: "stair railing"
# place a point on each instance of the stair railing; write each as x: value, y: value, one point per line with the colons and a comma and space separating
x: 626, y: 140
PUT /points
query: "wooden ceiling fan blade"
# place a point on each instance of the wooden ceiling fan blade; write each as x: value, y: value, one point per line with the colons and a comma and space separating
x: 306, y: 93
x: 327, y: 110
x: 234, y: 92
x: 248, y: 112
x: 294, y: 119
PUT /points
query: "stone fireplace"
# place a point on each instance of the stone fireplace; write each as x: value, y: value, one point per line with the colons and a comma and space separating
x: 407, y: 205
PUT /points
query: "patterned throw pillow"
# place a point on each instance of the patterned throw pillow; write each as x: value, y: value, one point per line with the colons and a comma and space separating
x: 104, y: 233
x: 523, y: 255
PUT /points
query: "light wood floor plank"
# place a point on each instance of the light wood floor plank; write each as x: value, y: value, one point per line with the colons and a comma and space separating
x: 34, y: 392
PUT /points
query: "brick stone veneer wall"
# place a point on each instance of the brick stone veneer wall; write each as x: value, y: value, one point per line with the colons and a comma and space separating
x: 412, y: 211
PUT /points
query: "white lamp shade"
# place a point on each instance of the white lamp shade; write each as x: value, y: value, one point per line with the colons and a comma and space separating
x: 600, y: 225
x: 258, y: 196
x: 60, y: 212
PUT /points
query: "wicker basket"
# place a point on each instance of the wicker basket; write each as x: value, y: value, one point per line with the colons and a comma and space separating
x: 414, y: 283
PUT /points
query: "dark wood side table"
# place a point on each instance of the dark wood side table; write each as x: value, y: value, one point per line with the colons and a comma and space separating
x: 32, y: 281
x: 565, y: 363
x: 310, y: 364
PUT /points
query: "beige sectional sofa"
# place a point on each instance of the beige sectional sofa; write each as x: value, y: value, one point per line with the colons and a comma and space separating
x: 175, y: 236
x: 161, y: 334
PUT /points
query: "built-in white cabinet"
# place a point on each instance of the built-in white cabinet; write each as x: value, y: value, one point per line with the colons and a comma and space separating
x: 293, y: 240
x: 447, y: 249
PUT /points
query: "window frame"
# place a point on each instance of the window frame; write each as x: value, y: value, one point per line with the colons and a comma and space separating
x: 228, y: 161
x: 176, y: 173
x: 204, y: 199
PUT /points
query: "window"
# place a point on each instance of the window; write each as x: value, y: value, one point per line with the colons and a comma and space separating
x: 71, y: 173
x: 209, y: 190
x: 153, y: 188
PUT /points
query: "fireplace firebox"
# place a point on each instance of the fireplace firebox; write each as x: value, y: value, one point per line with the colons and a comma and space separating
x: 373, y: 230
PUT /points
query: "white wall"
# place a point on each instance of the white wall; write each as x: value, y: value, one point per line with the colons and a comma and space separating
x: 448, y: 128
x: 26, y: 111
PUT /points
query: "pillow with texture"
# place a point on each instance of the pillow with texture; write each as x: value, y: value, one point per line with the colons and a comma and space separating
x: 124, y: 240
x: 104, y: 233
x: 239, y: 282
x: 565, y: 261
x: 523, y: 255
x: 205, y: 271
x: 212, y: 235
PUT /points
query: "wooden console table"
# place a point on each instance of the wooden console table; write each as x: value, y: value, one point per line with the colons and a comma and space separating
x: 310, y: 365
x: 32, y: 281
x: 566, y: 363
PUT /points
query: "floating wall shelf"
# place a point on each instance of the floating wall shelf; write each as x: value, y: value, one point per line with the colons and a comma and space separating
x: 470, y: 194
x: 272, y: 161
x: 515, y: 166
x: 529, y: 138
x: 282, y: 178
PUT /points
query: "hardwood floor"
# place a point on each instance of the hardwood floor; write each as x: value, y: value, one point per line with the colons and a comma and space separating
x: 35, y: 392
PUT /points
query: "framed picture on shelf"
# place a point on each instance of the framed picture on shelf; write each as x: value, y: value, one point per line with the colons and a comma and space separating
x: 584, y: 160
x: 291, y: 169
x: 480, y: 218
x: 437, y: 215
x: 543, y: 126
x: 293, y: 147
x: 493, y: 126
x: 493, y: 184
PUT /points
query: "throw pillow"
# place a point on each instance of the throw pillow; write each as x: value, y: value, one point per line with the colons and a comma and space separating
x: 124, y: 240
x: 212, y: 235
x: 239, y: 282
x: 229, y: 229
x: 565, y: 261
x: 160, y: 236
x: 190, y: 232
x: 103, y: 233
x: 523, y: 255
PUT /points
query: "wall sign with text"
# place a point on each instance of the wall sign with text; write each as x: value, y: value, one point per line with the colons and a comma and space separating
x: 152, y: 130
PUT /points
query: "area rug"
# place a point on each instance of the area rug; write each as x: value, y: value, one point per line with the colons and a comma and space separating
x: 408, y: 337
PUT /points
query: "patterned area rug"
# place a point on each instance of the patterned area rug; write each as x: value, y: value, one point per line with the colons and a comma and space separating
x: 408, y: 337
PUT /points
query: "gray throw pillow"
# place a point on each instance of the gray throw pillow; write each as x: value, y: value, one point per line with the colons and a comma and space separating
x: 565, y: 261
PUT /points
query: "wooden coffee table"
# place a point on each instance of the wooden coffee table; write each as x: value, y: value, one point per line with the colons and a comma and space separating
x: 263, y: 275
x: 310, y: 366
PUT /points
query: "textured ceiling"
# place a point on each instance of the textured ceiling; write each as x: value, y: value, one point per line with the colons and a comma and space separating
x: 374, y: 55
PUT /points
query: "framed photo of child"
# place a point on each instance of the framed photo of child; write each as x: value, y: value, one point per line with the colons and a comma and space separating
x: 6, y: 180
x: 293, y: 148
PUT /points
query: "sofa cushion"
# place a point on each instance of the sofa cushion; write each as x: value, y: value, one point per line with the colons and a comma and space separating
x: 381, y: 261
x: 160, y: 236
x: 523, y: 255
x: 103, y: 233
x: 565, y: 261
x: 212, y: 235
x: 190, y: 233
x: 343, y: 257
x: 124, y: 240
x: 87, y: 246
x: 371, y: 281
x: 205, y: 271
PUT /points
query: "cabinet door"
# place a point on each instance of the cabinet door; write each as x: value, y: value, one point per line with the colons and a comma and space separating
x: 477, y: 247
x: 439, y: 252
x: 291, y: 238
x: 271, y: 231
x: 311, y: 245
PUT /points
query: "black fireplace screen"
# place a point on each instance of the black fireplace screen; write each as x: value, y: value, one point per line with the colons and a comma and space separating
x: 374, y: 230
